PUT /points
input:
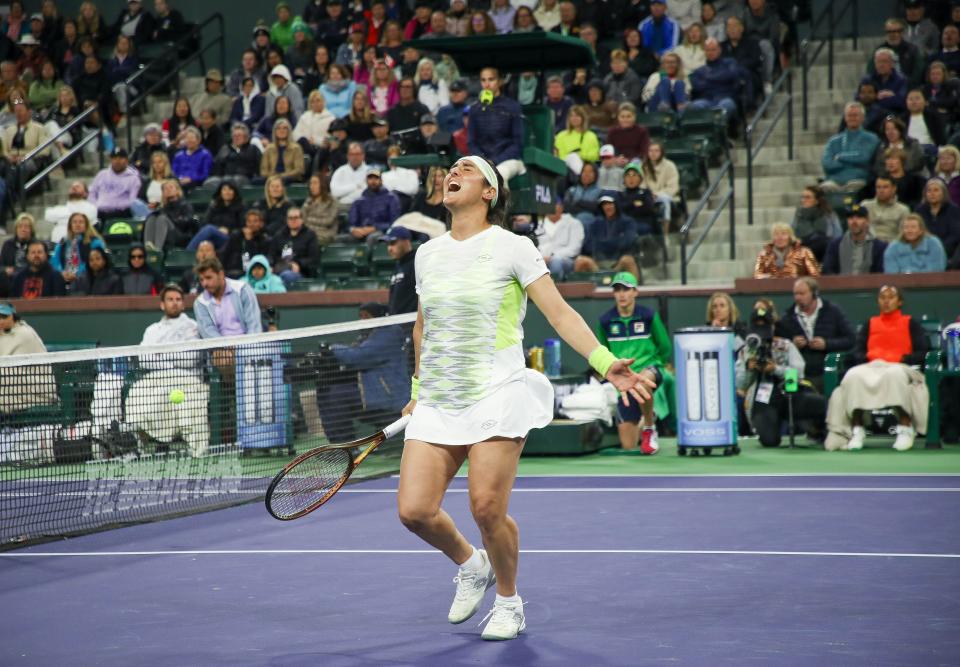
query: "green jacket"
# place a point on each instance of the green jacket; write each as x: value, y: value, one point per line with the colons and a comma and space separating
x: 282, y: 35
x: 641, y: 336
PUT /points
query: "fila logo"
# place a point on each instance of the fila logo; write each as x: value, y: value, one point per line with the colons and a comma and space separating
x: 489, y: 424
x: 484, y: 258
x: 638, y: 327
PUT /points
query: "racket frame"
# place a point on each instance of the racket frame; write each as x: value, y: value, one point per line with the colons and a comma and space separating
x: 374, y: 441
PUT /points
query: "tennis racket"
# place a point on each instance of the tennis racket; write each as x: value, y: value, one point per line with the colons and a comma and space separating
x: 311, y: 479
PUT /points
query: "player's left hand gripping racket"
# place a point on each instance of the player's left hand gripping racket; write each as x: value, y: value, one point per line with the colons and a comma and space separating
x: 311, y: 479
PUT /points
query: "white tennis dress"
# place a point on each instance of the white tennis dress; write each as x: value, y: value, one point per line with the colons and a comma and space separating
x: 474, y: 383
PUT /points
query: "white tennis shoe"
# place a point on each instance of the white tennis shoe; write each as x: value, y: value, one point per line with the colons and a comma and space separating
x: 905, y: 436
x: 856, y: 440
x: 506, y: 621
x: 471, y: 587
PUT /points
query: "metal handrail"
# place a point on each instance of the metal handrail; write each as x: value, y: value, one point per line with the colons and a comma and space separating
x: 753, y: 148
x: 22, y: 188
x: 807, y: 60
x: 87, y: 138
x: 172, y: 55
x: 727, y: 201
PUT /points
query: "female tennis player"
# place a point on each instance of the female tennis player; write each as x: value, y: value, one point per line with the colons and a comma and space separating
x: 472, y: 396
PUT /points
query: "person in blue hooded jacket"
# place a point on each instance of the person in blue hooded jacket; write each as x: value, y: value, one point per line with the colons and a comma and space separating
x: 377, y: 380
x: 262, y: 279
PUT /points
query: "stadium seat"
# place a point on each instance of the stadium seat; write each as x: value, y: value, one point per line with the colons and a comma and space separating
x: 708, y: 124
x: 344, y: 260
x: 251, y: 194
x: 660, y: 124
x: 200, y: 199
x: 297, y: 192
x: 308, y: 285
x: 381, y: 263
x: 177, y: 262
x: 361, y: 283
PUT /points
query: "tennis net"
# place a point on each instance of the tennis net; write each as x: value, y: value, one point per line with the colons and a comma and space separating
x: 111, y: 436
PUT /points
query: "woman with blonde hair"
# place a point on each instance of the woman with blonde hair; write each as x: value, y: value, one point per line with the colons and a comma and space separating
x: 785, y: 256
x: 173, y: 223
x: 274, y: 205
x: 160, y: 170
x: 313, y: 127
x: 361, y: 117
x: 948, y: 169
x: 432, y: 91
x: 916, y: 250
x: 577, y: 143
x: 13, y: 255
x: 283, y: 157
x: 723, y: 312
x: 691, y: 50
x: 941, y: 217
x: 90, y: 23
x: 384, y: 91
x: 70, y: 255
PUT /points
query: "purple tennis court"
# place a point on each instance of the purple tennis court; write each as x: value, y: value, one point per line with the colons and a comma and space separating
x: 861, y: 570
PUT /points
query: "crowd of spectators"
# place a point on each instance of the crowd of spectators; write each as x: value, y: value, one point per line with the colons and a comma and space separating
x: 894, y: 165
x: 330, y: 92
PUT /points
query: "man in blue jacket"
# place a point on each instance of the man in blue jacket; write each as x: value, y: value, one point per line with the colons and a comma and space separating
x: 373, y: 213
x: 848, y: 156
x: 226, y: 307
x: 891, y: 85
x: 717, y: 84
x: 376, y: 385
x: 660, y: 32
x: 495, y: 130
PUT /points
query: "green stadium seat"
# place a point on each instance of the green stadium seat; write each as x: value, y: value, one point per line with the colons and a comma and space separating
x: 708, y: 124
x: 381, y: 263
x: 251, y: 194
x: 361, y: 283
x: 307, y: 285
x: 118, y: 255
x: 155, y: 259
x: 177, y: 262
x: 660, y: 124
x: 340, y: 260
x: 297, y: 192
x: 200, y: 199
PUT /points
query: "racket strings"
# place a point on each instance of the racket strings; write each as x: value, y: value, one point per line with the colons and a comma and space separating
x: 310, y: 483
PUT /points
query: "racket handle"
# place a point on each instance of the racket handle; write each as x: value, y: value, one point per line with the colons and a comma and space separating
x: 396, y: 427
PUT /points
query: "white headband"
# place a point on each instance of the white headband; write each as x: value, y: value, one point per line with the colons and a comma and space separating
x: 488, y: 174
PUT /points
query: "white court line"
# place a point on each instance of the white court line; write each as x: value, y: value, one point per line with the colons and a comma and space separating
x: 258, y: 552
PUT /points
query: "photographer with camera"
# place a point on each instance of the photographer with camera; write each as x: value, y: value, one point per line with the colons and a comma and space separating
x: 763, y: 369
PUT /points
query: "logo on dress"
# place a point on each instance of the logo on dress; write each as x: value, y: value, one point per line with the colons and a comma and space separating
x: 484, y: 258
x: 615, y: 328
x: 489, y: 424
x: 638, y: 327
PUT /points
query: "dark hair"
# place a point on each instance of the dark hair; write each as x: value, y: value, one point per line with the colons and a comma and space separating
x: 823, y: 204
x: 170, y: 287
x: 209, y: 264
x: 497, y: 214
x: 39, y: 243
x: 254, y: 211
x: 103, y: 253
x: 218, y: 195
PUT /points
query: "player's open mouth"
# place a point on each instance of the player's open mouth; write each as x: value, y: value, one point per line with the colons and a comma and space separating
x: 453, y: 187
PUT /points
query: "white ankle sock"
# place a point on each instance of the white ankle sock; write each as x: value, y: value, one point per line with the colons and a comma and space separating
x: 475, y: 562
x: 508, y: 600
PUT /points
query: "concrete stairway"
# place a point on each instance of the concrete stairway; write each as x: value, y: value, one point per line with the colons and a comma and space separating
x: 55, y: 193
x: 777, y: 181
